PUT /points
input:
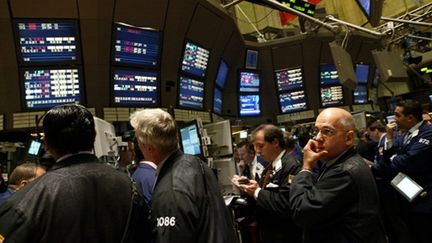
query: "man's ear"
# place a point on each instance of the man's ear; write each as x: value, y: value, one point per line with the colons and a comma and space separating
x: 45, y: 143
x: 350, y: 137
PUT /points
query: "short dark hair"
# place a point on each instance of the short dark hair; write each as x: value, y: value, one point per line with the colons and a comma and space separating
x: 411, y: 107
x: 25, y: 171
x: 377, y: 125
x: 69, y: 129
x: 248, y: 144
x: 271, y: 132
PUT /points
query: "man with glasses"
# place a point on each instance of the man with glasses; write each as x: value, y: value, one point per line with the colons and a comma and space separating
x: 341, y: 203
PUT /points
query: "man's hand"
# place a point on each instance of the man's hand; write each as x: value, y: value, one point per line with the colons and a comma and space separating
x: 249, y: 188
x: 312, y: 152
x: 390, y: 128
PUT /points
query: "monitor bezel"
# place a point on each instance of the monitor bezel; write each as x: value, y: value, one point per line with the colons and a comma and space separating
x: 293, y: 111
x: 288, y: 68
x: 222, y: 61
x: 178, y: 93
x: 185, y: 73
x: 239, y: 71
x: 187, y: 124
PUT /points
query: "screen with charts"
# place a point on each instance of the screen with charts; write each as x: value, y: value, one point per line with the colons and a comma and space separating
x: 190, y: 138
x: 222, y: 74
x: 217, y: 101
x: 360, y: 94
x: 289, y: 79
x: 47, y: 41
x: 331, y: 96
x: 249, y: 105
x: 292, y: 101
x: 135, y: 87
x: 191, y: 93
x: 195, y: 60
x: 136, y: 45
x: 249, y: 81
x: 329, y: 75
x: 362, y: 73
x: 44, y: 88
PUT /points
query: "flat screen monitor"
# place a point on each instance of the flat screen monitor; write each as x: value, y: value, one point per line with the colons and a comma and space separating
x: 47, y: 41
x: 376, y: 79
x: 221, y: 138
x: 289, y: 79
x: 191, y: 93
x: 249, y: 81
x: 331, y: 96
x: 44, y: 88
x: 360, y: 94
x: 249, y: 105
x: 329, y: 75
x: 217, y: 101
x: 372, y: 10
x: 251, y: 61
x: 430, y: 98
x: 138, y: 46
x: 135, y: 87
x: 35, y: 148
x: 362, y: 73
x: 222, y: 74
x: 292, y: 101
x: 190, y: 138
x: 195, y: 60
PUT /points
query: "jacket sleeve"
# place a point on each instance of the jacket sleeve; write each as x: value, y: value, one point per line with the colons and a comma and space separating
x: 275, y: 201
x: 13, y: 226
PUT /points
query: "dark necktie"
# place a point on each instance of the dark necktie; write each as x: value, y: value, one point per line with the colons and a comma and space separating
x: 267, y: 176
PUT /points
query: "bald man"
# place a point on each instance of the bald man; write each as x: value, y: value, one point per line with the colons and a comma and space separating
x: 341, y: 203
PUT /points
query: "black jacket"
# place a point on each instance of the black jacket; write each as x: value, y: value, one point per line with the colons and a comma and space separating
x: 77, y: 200
x: 187, y: 204
x: 342, y: 206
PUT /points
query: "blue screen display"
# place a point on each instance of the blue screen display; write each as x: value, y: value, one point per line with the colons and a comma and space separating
x: 329, y: 75
x: 289, y: 79
x: 48, y: 41
x: 135, y: 87
x: 217, y: 101
x: 249, y: 81
x: 195, y: 60
x: 365, y: 5
x: 331, y: 96
x: 362, y: 73
x: 222, y: 74
x: 190, y: 139
x: 191, y: 93
x: 45, y: 88
x: 292, y: 101
x: 136, y: 46
x: 360, y: 94
x: 251, y: 59
x: 249, y: 105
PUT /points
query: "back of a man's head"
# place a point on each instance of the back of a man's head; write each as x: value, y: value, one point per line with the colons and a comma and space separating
x: 412, y: 107
x: 271, y: 133
x: 24, y: 173
x: 69, y: 129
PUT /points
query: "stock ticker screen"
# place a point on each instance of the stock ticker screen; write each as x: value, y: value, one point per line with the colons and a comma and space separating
x: 360, y: 94
x: 331, y: 96
x: 217, y: 101
x: 289, y: 79
x: 191, y: 93
x: 48, y: 42
x: 362, y: 73
x: 135, y: 87
x: 329, y: 75
x: 249, y: 105
x: 195, y: 60
x: 292, y: 101
x: 45, y: 88
x: 136, y: 45
x: 249, y: 81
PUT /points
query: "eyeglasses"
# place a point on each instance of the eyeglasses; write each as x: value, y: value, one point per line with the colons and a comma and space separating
x: 325, y: 132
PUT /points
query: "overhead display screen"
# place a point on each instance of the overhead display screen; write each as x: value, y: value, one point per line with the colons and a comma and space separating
x: 47, y: 41
x: 329, y: 75
x: 251, y: 61
x: 289, y: 79
x: 249, y: 81
x: 292, y: 101
x: 191, y: 93
x: 190, y: 139
x: 217, y: 101
x: 195, y: 60
x: 222, y: 74
x: 249, y: 105
x: 360, y: 94
x: 136, y: 45
x: 44, y: 88
x: 362, y: 73
x: 135, y: 87
x: 331, y: 96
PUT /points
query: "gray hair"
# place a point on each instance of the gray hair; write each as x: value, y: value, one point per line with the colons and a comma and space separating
x: 157, y: 128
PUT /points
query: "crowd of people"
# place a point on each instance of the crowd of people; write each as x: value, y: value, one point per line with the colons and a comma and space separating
x: 332, y: 189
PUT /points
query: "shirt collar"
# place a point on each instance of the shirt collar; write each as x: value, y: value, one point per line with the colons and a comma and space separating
x: 277, y: 163
x: 415, y: 127
x: 153, y: 165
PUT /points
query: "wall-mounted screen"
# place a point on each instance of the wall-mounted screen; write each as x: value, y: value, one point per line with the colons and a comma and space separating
x: 195, y: 59
x: 329, y: 75
x: 190, y: 138
x: 249, y: 105
x: 135, y: 87
x: 362, y: 73
x: 47, y: 41
x: 249, y: 81
x: 44, y: 88
x: 251, y: 61
x: 217, y: 101
x: 331, y: 96
x: 430, y: 98
x: 360, y: 94
x: 191, y: 93
x: 372, y: 10
x: 289, y: 79
x: 136, y: 45
x: 292, y: 101
x: 222, y: 74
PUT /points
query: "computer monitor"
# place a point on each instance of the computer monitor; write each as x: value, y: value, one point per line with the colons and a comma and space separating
x: 251, y: 61
x: 331, y: 96
x: 195, y: 59
x: 221, y: 138
x: 249, y: 81
x: 134, y: 87
x: 289, y: 79
x: 43, y: 88
x: 329, y: 75
x: 217, y: 101
x: 372, y: 10
x: 190, y: 138
x: 360, y: 94
x: 222, y: 74
x: 292, y: 101
x: 191, y: 93
x: 362, y: 73
x: 47, y: 41
x: 35, y: 148
x: 226, y: 168
x: 249, y: 105
x: 430, y: 98
x: 136, y: 46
